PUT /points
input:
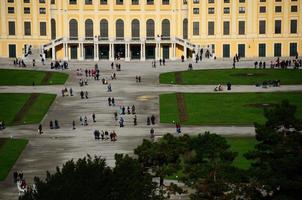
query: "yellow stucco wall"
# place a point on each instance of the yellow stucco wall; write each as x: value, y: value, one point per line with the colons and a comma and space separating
x: 175, y: 12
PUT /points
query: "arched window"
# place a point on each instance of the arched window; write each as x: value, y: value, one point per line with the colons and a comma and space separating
x: 185, y: 29
x: 73, y: 29
x: 135, y: 29
x: 165, y: 29
x: 104, y: 29
x: 53, y: 29
x: 150, y: 29
x: 119, y: 26
x: 89, y: 29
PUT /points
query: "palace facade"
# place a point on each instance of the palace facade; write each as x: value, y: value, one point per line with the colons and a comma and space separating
x: 150, y: 29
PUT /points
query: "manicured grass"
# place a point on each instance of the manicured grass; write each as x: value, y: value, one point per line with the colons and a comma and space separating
x: 241, y: 145
x: 39, y: 108
x: 10, y: 150
x: 225, y: 108
x: 235, y: 76
x: 11, y: 104
x: 27, y: 77
x: 168, y: 108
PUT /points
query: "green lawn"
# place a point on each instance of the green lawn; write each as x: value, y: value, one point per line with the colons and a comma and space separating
x: 241, y: 145
x: 235, y: 76
x: 10, y: 150
x: 11, y: 104
x: 27, y: 77
x: 224, y: 108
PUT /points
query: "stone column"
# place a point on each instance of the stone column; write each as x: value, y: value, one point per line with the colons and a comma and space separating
x: 127, y: 52
x: 143, y: 56
x: 96, y: 52
x: 53, y: 52
x: 81, y: 57
x: 65, y: 47
x: 185, y: 51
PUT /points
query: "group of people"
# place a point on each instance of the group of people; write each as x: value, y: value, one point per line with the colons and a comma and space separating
x: 2, y: 125
x: 105, y: 135
x: 59, y: 65
x: 269, y: 83
x: 138, y: 79
x: 84, y: 95
x: 19, y: 62
x: 111, y: 101
x: 151, y: 120
x: 278, y: 63
x: 54, y: 125
x: 236, y: 58
x: 83, y: 82
x: 66, y: 93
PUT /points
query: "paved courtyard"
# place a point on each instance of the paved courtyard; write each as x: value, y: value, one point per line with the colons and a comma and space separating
x: 54, y: 147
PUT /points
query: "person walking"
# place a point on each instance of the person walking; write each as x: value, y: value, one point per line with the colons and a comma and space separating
x: 40, y: 129
x: 152, y: 135
x: 73, y: 125
x: 113, y: 101
x: 153, y: 119
x: 109, y: 101
x: 85, y: 121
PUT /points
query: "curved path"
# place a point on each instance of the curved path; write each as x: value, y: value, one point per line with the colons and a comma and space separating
x: 54, y: 147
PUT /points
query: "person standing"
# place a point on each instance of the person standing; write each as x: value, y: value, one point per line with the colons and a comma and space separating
x: 135, y: 120
x: 109, y: 101
x: 70, y: 92
x: 73, y: 125
x: 152, y: 135
x: 113, y: 101
x: 93, y: 117
x: 153, y: 119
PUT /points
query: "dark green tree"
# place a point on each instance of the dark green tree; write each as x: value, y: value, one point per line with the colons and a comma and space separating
x: 208, y: 166
x: 162, y: 157
x: 277, y: 159
x: 90, y: 179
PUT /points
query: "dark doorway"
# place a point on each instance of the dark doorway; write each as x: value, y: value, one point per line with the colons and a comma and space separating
x: 119, y: 50
x: 104, y: 51
x: 135, y: 51
x: 73, y: 52
x: 89, y: 52
x: 166, y: 52
x: 12, y: 50
x: 150, y: 51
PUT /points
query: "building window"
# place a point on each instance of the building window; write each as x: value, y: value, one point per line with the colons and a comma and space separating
x: 42, y: 11
x: 293, y: 26
x: 293, y: 49
x: 241, y: 10
x: 165, y: 2
x: 262, y: 50
x: 277, y: 49
x: 278, y: 9
x: 262, y: 27
x: 226, y: 28
x: 294, y: 8
x: 73, y: 29
x: 72, y: 2
x: 226, y: 50
x: 135, y: 29
x: 11, y: 28
x: 11, y: 10
x: 185, y: 29
x: 27, y: 28
x: 89, y: 29
x: 53, y: 29
x: 211, y: 10
x: 241, y: 27
x: 241, y: 50
x: 262, y: 9
x: 42, y: 28
x: 165, y: 29
x: 195, y: 11
x: 150, y: 29
x: 278, y: 27
x: 12, y: 50
x: 88, y: 2
x: 104, y: 29
x: 135, y: 2
x: 103, y: 2
x: 150, y: 2
x: 119, y: 2
x: 119, y: 26
x: 195, y: 28
x: 26, y: 10
x: 226, y: 10
x: 211, y: 28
